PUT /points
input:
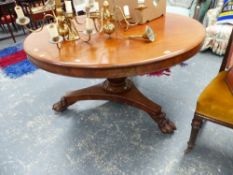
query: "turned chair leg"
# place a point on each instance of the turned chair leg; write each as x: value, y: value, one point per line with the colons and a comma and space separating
x: 1, y: 25
x: 14, y: 26
x: 11, y: 32
x: 196, y: 125
x: 23, y: 30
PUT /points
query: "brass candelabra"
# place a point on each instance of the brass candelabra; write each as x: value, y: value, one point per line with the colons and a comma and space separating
x: 65, y: 25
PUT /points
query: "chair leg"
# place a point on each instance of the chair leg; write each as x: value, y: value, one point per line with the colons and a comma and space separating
x: 196, y: 125
x: 14, y: 26
x: 35, y: 26
x: 23, y: 31
x: 11, y: 32
x: 2, y: 27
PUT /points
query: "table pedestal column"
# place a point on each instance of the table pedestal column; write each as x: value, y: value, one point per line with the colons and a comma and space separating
x: 119, y: 90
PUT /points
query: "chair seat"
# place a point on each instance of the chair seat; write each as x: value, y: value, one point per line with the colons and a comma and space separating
x: 7, y: 19
x: 216, y: 101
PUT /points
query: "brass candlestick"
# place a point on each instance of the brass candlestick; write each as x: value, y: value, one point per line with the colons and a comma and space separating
x: 63, y: 21
x: 73, y: 32
x: 126, y: 19
x: 108, y: 26
x: 103, y: 20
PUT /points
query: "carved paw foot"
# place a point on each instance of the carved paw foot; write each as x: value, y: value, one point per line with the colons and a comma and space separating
x: 165, y: 125
x: 60, y: 106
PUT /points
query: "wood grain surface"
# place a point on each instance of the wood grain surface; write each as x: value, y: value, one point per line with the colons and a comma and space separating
x: 177, y: 39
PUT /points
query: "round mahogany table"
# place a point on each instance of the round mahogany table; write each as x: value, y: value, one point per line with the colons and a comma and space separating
x: 177, y: 39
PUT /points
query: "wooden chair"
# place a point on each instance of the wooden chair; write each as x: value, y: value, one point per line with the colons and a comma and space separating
x: 216, y: 101
x: 8, y: 18
x: 34, y: 9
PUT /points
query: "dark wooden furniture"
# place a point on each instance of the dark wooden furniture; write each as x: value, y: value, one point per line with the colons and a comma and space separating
x: 35, y: 10
x: 215, y: 102
x: 229, y: 80
x: 178, y: 38
x: 8, y: 16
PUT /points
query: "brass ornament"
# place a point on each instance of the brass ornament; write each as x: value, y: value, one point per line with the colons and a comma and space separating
x: 148, y: 35
x: 107, y: 19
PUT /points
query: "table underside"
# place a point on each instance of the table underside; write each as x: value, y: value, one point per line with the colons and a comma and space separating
x: 120, y: 90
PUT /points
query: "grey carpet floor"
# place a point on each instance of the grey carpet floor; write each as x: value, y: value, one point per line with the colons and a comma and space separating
x: 106, y: 138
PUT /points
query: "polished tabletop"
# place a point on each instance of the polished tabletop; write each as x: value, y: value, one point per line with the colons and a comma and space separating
x: 177, y: 39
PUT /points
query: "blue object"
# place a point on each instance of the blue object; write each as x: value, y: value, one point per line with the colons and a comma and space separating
x: 19, y: 69
x: 226, y: 15
x: 11, y: 50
